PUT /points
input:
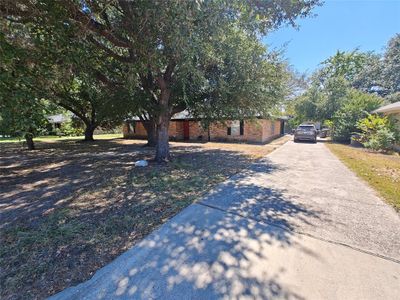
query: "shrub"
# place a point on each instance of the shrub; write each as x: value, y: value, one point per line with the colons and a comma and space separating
x: 357, y: 106
x: 377, y: 133
x: 328, y: 123
x: 383, y: 139
x: 344, y: 124
x: 71, y: 129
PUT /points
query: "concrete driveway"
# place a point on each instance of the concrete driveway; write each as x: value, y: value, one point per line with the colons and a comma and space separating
x: 296, y: 225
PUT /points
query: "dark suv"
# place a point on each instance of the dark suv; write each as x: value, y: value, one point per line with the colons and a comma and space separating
x: 306, y: 132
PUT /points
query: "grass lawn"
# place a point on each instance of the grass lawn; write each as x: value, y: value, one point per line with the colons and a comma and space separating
x: 69, y: 208
x: 381, y: 171
x: 63, y: 138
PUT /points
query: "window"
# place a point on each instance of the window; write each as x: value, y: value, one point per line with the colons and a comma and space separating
x: 236, y: 128
x: 306, y: 127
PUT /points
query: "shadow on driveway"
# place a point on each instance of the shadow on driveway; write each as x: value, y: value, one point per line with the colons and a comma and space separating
x: 207, y: 252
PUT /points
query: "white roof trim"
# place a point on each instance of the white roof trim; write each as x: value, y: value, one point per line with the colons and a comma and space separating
x: 60, y: 118
x: 390, y: 109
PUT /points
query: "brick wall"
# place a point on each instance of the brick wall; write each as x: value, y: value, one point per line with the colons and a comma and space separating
x: 254, y: 131
x: 271, y: 130
x: 179, y: 129
x: 197, y: 132
x: 173, y: 131
x: 139, y: 131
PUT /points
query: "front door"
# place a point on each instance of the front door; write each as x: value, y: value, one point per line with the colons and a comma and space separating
x: 185, y: 130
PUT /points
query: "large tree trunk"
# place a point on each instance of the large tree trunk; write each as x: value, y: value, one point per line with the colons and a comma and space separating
x: 151, y: 130
x: 29, y: 141
x: 162, y: 147
x: 89, y: 132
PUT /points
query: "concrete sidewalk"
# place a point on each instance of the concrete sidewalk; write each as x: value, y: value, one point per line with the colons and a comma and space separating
x: 294, y: 226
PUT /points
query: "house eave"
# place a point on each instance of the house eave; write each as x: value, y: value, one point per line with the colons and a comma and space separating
x: 393, y: 108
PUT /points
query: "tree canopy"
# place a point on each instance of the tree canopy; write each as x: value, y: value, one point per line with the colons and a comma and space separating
x: 176, y: 55
x: 391, y: 66
x: 347, y: 86
x: 22, y: 110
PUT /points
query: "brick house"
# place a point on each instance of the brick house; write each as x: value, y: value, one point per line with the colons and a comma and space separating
x: 185, y: 128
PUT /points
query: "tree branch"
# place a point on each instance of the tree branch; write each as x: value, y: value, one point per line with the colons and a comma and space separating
x: 169, y: 70
x: 110, y: 52
x: 87, y: 22
x: 74, y: 111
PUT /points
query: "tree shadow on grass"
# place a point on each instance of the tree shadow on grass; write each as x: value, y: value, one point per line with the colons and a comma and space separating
x: 34, y: 182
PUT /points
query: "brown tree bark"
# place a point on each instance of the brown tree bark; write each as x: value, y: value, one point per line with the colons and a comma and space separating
x: 29, y: 141
x: 162, y: 147
x: 151, y: 130
x: 89, y: 130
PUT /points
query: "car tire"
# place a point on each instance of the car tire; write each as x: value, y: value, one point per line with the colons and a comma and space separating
x: 295, y: 140
x: 315, y: 141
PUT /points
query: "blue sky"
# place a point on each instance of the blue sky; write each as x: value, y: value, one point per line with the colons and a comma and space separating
x: 339, y: 25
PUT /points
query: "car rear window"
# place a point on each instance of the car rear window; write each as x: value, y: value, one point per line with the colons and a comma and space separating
x: 306, y: 127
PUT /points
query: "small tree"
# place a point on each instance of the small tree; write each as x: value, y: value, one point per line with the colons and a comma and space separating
x: 93, y: 103
x: 22, y: 110
x: 22, y: 116
x: 82, y: 79
x: 68, y: 71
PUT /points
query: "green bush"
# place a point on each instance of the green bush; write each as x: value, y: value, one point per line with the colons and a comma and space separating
x: 383, y: 139
x: 344, y: 125
x: 328, y: 123
x: 71, y: 129
x: 357, y: 105
x: 377, y: 133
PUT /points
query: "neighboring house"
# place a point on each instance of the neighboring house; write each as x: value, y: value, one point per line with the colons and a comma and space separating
x: 184, y: 127
x: 393, y: 111
x: 57, y: 120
